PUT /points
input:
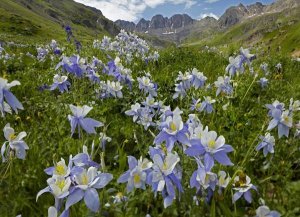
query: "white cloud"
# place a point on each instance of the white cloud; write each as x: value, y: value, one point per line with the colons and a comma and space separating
x: 130, y: 10
x: 208, y: 15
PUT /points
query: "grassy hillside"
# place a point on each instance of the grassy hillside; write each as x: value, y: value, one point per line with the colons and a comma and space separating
x: 43, y: 20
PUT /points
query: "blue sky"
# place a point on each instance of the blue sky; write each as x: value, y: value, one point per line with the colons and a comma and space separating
x: 134, y: 10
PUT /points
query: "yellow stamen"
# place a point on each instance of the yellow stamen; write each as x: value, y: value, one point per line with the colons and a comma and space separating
x: 198, y: 105
x: 165, y: 166
x: 136, y: 178
x: 60, y: 170
x: 173, y: 126
x: 12, y: 136
x: 212, y: 144
x: 85, y: 180
x: 61, y: 184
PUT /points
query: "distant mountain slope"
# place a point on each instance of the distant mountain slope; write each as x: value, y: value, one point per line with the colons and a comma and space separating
x: 45, y: 18
x: 276, y: 30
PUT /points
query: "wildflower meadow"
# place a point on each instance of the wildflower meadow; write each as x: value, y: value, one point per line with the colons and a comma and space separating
x: 114, y: 127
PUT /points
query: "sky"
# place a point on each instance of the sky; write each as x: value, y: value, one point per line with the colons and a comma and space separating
x: 134, y: 10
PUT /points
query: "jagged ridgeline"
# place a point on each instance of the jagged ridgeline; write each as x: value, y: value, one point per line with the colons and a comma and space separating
x: 239, y: 24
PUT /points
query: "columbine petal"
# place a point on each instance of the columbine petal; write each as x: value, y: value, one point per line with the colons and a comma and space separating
x: 74, y: 197
x: 13, y: 101
x: 47, y: 189
x: 222, y: 158
x: 104, y: 179
x: 89, y: 124
x: 52, y: 212
x: 91, y: 199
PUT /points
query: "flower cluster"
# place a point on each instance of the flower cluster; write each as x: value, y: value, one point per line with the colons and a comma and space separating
x: 79, y: 180
x: 188, y: 80
x: 127, y: 46
x: 236, y: 64
x: 282, y: 117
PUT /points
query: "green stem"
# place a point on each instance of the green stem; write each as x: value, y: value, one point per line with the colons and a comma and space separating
x: 248, y: 89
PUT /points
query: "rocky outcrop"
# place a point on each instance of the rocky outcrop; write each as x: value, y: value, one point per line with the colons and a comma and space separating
x: 129, y: 26
x: 236, y: 14
x: 142, y: 25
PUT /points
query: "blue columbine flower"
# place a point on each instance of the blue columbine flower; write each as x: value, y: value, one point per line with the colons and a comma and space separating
x: 203, y: 178
x: 93, y: 76
x: 264, y: 68
x: 7, y: 99
x: 267, y: 144
x: 242, y: 186
x: 16, y: 144
x: 185, y: 79
x: 198, y: 79
x: 60, y: 82
x: 147, y: 86
x: 223, y: 85
x: 164, y: 177
x: 76, y: 66
x: 180, y: 91
x: 235, y: 65
x: 114, y: 89
x: 42, y: 53
x: 134, y: 111
x: 207, y: 104
x: 276, y: 105
x: 212, y: 148
x: 264, y: 211
x: 282, y: 120
x: 64, y: 64
x: 78, y: 120
x: 196, y: 105
x: 246, y: 55
x: 263, y: 82
x: 84, y: 159
x: 173, y: 130
x: 137, y: 174
x: 85, y: 187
